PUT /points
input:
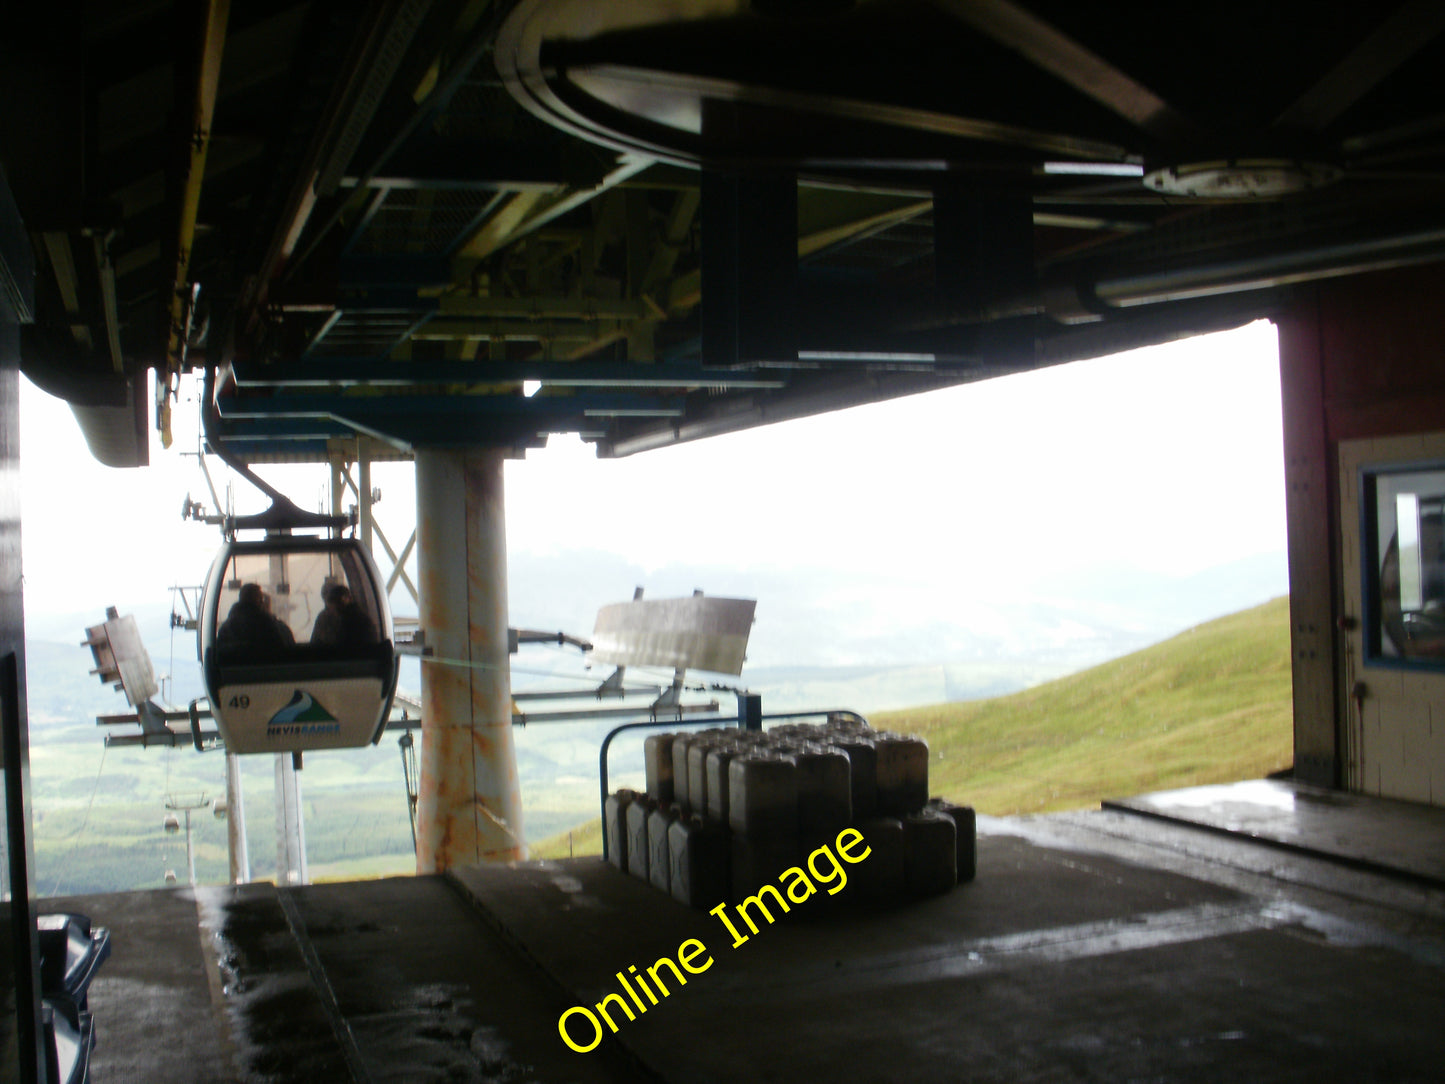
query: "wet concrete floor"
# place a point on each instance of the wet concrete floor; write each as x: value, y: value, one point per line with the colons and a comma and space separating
x: 1402, y: 838
x: 383, y: 981
x: 1097, y: 946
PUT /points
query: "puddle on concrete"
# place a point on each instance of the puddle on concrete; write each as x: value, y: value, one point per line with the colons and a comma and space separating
x: 1253, y: 792
x: 282, y: 1031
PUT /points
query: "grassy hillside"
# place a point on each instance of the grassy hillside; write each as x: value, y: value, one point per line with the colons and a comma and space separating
x: 585, y: 838
x: 1210, y: 705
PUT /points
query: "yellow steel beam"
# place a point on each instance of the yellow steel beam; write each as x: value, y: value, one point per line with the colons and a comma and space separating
x: 825, y: 238
x: 502, y: 227
x: 514, y: 330
x: 541, y: 308
x: 529, y: 211
x: 203, y: 109
x: 685, y: 291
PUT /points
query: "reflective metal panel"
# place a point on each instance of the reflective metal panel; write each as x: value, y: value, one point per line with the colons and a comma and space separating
x: 697, y: 633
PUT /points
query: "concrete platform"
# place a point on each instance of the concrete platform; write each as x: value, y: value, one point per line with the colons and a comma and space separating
x: 1400, y: 838
x: 1100, y: 946
x: 381, y: 981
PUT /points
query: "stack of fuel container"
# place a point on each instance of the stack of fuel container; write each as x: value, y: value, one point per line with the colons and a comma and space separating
x: 727, y: 810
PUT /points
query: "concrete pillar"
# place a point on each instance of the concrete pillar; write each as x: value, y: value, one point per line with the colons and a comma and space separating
x: 469, y: 807
x: 190, y: 853
x: 290, y: 827
x: 236, y: 846
x: 1311, y: 497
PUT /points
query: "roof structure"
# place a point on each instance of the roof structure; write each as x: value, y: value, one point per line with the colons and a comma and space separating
x: 460, y: 222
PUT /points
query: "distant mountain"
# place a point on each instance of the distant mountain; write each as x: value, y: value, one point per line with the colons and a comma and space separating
x: 870, y: 642
x: 868, y: 689
x: 878, y: 617
x: 819, y: 617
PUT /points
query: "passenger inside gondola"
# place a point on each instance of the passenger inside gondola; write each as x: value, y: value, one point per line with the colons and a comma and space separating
x: 251, y: 625
x: 343, y: 623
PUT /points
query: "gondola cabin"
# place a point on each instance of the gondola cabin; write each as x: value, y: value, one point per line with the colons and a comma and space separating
x: 296, y: 644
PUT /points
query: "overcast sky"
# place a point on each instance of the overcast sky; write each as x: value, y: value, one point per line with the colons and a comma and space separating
x: 1167, y: 459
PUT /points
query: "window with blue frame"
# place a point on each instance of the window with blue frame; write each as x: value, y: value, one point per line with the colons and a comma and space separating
x: 1404, y: 569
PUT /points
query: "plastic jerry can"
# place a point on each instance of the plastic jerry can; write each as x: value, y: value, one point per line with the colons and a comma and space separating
x: 659, y: 865
x: 863, y: 772
x: 759, y: 860
x: 701, y: 862
x: 763, y: 794
x: 930, y: 860
x: 614, y: 823
x: 718, y: 758
x: 965, y: 823
x: 637, y: 853
x: 880, y: 875
x: 697, y: 754
x: 825, y: 797
x: 657, y: 762
x: 680, y: 743
x: 902, y: 774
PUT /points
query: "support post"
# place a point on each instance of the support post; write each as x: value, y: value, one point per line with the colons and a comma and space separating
x: 363, y: 489
x: 22, y: 1036
x: 338, y: 481
x: 190, y: 854
x: 290, y: 831
x: 237, y: 848
x: 1310, y: 464
x: 469, y: 806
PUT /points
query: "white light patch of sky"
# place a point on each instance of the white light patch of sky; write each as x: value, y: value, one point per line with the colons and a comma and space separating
x: 1167, y: 459
x: 92, y: 535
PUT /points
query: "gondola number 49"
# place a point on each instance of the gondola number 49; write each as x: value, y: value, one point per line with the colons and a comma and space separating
x: 241, y: 701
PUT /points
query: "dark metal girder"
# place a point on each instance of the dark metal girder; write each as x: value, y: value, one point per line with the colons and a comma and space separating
x: 342, y: 372
x: 463, y: 57
x: 830, y: 114
x: 1012, y: 26
x: 557, y: 332
x: 749, y: 264
x: 390, y: 283
x: 1397, y: 39
x: 822, y: 392
x: 815, y: 394
x: 263, y: 450
x: 318, y: 427
x: 374, y: 409
x: 386, y: 48
x: 490, y: 165
x: 391, y: 280
x: 434, y: 421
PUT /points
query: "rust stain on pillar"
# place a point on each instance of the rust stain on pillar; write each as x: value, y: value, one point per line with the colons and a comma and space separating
x: 469, y: 807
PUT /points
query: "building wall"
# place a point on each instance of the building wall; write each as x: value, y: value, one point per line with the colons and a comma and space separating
x: 20, y: 1034
x: 1362, y: 369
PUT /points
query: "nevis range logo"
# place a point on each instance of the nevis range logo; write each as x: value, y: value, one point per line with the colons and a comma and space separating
x: 303, y: 715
